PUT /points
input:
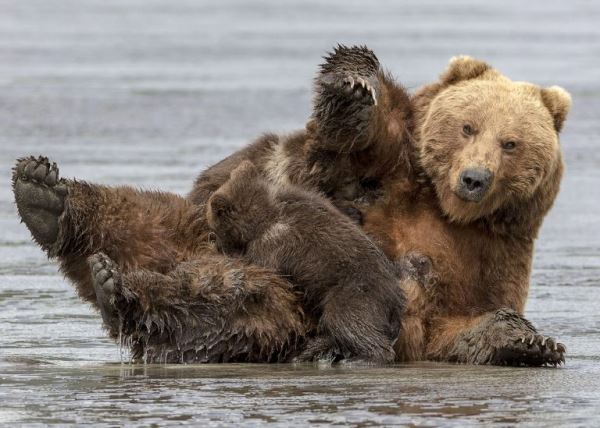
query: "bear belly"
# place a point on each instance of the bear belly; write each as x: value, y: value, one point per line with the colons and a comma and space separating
x: 456, y: 254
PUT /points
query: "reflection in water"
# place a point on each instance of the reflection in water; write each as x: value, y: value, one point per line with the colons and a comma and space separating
x: 119, y: 91
x: 416, y: 393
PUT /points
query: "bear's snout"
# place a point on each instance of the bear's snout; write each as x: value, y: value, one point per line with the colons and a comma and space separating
x: 474, y: 184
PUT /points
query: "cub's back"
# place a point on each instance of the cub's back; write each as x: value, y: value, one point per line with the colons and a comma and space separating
x: 316, y: 244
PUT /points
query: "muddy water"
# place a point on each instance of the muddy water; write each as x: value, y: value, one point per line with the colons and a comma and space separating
x: 148, y: 93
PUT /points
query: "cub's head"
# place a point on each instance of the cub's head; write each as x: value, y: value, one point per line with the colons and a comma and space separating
x: 490, y: 144
x: 240, y: 209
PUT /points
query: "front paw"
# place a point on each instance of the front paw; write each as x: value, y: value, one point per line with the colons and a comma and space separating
x: 351, y: 72
x: 532, y: 349
x: 505, y: 337
x: 347, y: 90
x: 356, y: 88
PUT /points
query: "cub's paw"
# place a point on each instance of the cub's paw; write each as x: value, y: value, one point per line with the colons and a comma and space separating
x: 417, y: 267
x: 532, y: 349
x: 106, y: 280
x: 40, y: 196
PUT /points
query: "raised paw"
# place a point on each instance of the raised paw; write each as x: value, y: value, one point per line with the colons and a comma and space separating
x: 361, y: 87
x: 105, y: 274
x: 347, y: 91
x: 349, y: 88
x: 106, y: 280
x: 40, y: 196
x: 353, y: 69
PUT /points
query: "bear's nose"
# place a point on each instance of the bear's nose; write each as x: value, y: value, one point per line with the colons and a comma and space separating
x: 474, y: 183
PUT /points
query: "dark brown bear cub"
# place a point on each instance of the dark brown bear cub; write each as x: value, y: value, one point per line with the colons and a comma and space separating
x: 351, y: 285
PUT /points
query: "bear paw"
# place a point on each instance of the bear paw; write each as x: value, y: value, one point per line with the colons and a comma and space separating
x: 533, y: 350
x: 106, y: 280
x: 40, y: 196
x: 352, y: 70
x: 362, y: 89
x: 505, y: 337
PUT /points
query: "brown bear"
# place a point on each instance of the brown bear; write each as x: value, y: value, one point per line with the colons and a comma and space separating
x: 461, y: 185
x: 349, y: 286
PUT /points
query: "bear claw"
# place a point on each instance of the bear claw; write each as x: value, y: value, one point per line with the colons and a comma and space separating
x: 360, y: 86
x: 542, y: 350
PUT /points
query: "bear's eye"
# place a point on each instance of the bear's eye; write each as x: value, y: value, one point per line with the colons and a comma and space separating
x: 509, y: 145
x: 467, y: 130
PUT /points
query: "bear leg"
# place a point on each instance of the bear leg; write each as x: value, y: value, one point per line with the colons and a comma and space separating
x: 212, y: 309
x: 72, y: 220
x: 361, y: 326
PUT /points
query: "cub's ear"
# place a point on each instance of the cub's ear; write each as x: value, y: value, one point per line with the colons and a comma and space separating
x: 244, y: 171
x: 463, y: 68
x: 219, y: 205
x: 558, y: 102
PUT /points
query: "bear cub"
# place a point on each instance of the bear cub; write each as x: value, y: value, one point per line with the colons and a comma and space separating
x: 351, y: 284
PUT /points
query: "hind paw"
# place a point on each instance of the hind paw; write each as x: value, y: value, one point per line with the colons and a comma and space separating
x: 106, y: 280
x: 40, y: 196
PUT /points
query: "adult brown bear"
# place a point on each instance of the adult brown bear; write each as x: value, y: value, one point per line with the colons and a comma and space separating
x: 455, y: 179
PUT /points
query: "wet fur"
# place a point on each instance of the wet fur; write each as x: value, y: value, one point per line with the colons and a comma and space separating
x: 481, y: 258
x: 349, y: 286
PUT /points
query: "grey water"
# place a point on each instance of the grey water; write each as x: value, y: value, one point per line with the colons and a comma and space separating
x: 149, y: 92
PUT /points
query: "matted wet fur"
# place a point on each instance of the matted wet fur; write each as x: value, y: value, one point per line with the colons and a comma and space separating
x: 350, y: 287
x: 410, y: 156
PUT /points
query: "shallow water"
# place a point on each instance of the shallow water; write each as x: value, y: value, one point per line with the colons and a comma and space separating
x: 148, y: 93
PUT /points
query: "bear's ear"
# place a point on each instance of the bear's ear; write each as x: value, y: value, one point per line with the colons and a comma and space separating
x: 244, y: 171
x: 558, y: 102
x: 463, y: 68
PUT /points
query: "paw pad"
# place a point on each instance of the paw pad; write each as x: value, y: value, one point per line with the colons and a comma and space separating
x: 40, y: 171
x: 105, y: 274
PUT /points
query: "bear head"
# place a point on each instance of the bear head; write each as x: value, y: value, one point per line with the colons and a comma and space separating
x: 490, y: 145
x: 241, y: 209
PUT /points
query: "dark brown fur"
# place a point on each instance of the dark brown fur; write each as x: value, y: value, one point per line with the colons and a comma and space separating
x: 349, y: 285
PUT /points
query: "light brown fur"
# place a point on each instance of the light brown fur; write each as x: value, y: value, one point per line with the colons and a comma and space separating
x: 481, y: 252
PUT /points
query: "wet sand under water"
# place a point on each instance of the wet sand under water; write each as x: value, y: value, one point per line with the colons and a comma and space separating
x: 148, y: 93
